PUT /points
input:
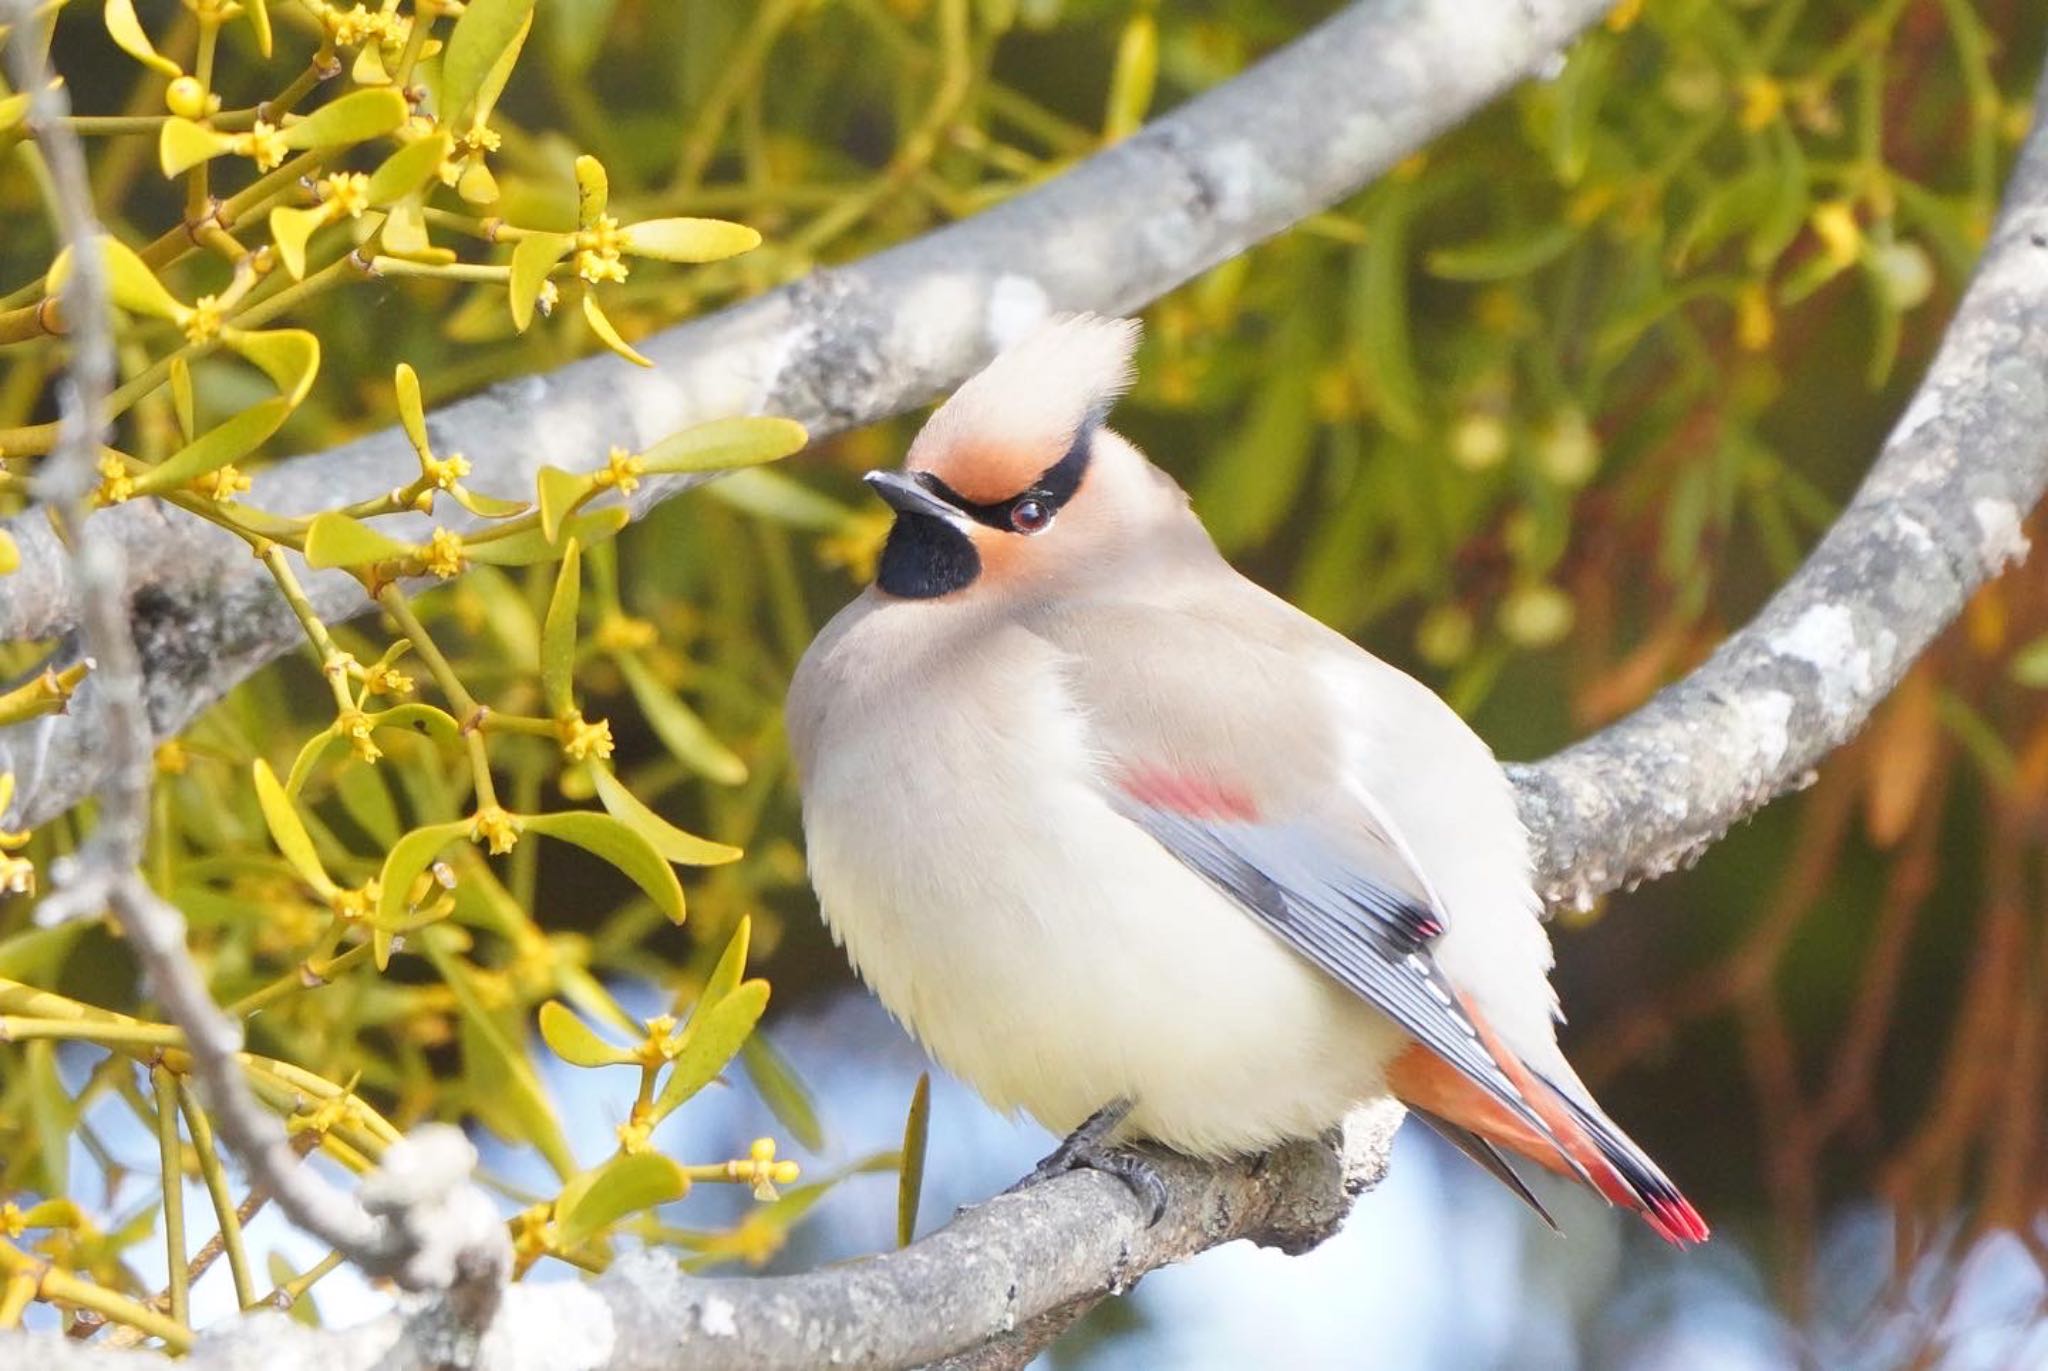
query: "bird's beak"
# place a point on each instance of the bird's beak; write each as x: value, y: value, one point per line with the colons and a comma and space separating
x: 904, y: 495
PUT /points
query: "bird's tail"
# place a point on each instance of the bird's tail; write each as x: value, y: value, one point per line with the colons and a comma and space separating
x: 1577, y: 1139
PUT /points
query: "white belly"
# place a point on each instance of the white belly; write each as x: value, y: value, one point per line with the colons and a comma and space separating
x: 1055, y: 957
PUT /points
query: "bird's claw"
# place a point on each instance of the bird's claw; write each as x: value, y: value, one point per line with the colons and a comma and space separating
x: 1087, y: 1153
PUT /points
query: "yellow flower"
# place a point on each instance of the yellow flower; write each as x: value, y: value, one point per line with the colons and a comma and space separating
x: 202, y: 321
x: 17, y: 875
x: 263, y: 144
x: 581, y: 741
x: 1762, y: 101
x: 1834, y: 223
x: 221, y: 484
x: 597, y: 251
x: 496, y: 829
x: 1623, y: 15
x: 443, y: 553
x: 354, y: 905
x: 348, y: 192
x: 533, y: 1233
x: 355, y: 726
x: 116, y: 484
x: 762, y: 1171
x: 1755, y: 325
x: 381, y: 678
x: 171, y: 758
x: 622, y: 633
x: 444, y: 472
x: 11, y: 1221
x: 621, y: 469
x: 479, y: 139
x: 633, y: 1136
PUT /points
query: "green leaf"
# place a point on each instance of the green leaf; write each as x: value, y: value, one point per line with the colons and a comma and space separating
x: 782, y: 1090
x: 52, y: 1111
x: 290, y: 357
x: 354, y: 118
x: 259, y: 20
x: 413, y: 718
x: 560, y: 492
x: 603, y: 836
x: 685, y: 849
x: 182, y: 145
x: 487, y: 30
x: 593, y: 191
x: 496, y: 1067
x: 310, y: 754
x: 601, y: 325
x: 576, y: 30
x: 724, y: 444
x: 336, y: 540
x: 1379, y: 316
x: 525, y: 546
x: 558, y: 634
x: 1504, y: 258
x: 288, y: 831
x: 732, y: 965
x: 409, y: 856
x: 412, y: 415
x: 126, y: 31
x: 231, y: 441
x: 625, y: 1185
x: 488, y: 506
x: 771, y: 495
x: 910, y: 1178
x: 710, y: 1043
x: 2030, y: 665
x: 678, y: 726
x: 487, y: 100
x: 533, y: 257
x: 368, y: 801
x: 291, y: 229
x: 575, y: 1042
x: 689, y: 240
x: 406, y: 170
x: 132, y: 285
x: 181, y: 395
x: 13, y: 109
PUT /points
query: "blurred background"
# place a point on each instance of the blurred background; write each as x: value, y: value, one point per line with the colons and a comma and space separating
x: 1539, y: 417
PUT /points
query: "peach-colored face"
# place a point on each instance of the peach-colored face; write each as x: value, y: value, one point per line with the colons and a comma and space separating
x: 1003, y: 486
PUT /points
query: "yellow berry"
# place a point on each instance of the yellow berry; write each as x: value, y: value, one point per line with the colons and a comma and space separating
x: 186, y: 98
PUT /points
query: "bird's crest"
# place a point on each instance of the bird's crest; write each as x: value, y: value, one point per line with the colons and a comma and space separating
x: 1023, y: 411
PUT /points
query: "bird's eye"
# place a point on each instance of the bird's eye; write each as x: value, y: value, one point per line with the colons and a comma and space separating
x: 1031, y: 516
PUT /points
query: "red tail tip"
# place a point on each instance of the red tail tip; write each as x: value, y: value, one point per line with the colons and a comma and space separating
x: 1675, y: 1221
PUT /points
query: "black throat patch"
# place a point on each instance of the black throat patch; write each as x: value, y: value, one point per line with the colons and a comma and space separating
x: 926, y: 557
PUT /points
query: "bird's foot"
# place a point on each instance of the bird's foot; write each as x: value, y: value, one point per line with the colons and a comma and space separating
x: 1084, y: 1148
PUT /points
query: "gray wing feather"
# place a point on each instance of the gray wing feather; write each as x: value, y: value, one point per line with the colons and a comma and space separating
x: 1368, y: 935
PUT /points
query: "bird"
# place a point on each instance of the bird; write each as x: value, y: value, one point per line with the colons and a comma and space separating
x: 1140, y: 849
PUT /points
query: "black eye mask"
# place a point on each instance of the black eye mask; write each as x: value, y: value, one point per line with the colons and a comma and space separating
x: 927, y: 557
x: 1053, y: 488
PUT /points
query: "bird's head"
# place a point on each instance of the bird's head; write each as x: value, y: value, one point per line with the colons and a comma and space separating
x: 1014, y: 481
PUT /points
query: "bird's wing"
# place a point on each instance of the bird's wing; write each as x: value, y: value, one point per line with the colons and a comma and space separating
x: 1222, y: 747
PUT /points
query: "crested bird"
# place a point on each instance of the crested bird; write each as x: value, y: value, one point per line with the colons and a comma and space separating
x: 1138, y: 848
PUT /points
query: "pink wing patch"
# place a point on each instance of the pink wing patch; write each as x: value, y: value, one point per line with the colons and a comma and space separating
x: 1192, y: 797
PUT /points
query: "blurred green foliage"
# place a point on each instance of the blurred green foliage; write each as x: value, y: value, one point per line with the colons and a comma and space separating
x: 1538, y: 415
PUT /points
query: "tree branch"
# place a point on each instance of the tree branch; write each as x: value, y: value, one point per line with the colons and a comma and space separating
x: 1937, y: 516
x: 1006, y: 1275
x: 1939, y: 512
x: 836, y: 350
